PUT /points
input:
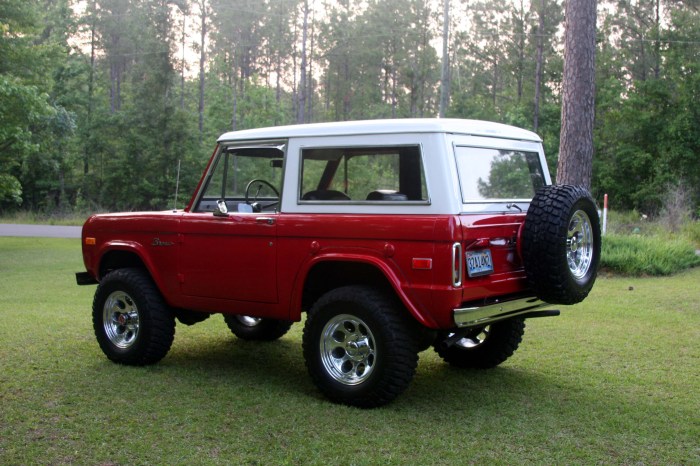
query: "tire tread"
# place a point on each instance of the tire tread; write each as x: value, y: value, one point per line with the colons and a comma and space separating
x: 503, y: 340
x: 157, y: 324
x: 399, y: 364
x: 544, y: 243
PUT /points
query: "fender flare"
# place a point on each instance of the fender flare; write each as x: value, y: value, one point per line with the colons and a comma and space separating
x: 132, y: 247
x: 421, y: 316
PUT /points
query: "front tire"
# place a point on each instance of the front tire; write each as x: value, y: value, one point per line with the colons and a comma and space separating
x: 359, y: 347
x: 256, y: 328
x: 483, y: 347
x: 132, y: 323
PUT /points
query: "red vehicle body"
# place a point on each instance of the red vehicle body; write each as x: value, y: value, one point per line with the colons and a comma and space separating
x: 261, y: 268
x: 421, y: 260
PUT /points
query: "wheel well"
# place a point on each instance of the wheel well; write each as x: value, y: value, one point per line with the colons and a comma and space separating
x: 114, y: 260
x: 326, y: 276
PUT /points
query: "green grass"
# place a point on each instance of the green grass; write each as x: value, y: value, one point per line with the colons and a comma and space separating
x: 637, y: 246
x: 647, y: 255
x: 614, y: 380
x: 41, y: 218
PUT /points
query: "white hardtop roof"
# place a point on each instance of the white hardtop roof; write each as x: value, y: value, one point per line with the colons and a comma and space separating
x: 369, y: 127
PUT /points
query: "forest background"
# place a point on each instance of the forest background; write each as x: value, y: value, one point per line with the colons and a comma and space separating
x: 101, y: 101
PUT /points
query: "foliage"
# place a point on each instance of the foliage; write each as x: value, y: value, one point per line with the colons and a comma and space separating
x: 602, y: 383
x: 98, y: 107
x: 691, y: 230
x: 637, y: 255
x: 646, y: 138
x: 23, y: 99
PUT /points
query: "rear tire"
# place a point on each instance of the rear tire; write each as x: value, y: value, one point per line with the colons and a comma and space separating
x: 483, y: 347
x: 187, y: 317
x: 561, y: 244
x: 132, y: 323
x: 255, y: 328
x: 359, y: 347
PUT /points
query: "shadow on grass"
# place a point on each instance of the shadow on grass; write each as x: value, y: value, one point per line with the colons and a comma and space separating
x: 213, y: 387
x: 277, y: 369
x: 207, y: 363
x: 228, y: 363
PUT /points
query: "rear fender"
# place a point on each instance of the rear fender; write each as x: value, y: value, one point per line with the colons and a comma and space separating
x: 389, y: 274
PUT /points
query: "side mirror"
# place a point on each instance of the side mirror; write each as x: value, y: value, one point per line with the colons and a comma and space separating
x: 221, y: 209
x: 245, y: 208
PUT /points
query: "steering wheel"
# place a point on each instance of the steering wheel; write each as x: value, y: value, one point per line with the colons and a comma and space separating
x: 260, y: 183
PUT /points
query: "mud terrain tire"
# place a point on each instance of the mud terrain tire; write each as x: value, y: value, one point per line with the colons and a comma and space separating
x: 561, y: 244
x: 483, y: 347
x: 132, y: 323
x: 359, y: 347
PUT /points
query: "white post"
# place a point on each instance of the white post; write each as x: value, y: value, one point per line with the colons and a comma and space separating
x: 605, y: 213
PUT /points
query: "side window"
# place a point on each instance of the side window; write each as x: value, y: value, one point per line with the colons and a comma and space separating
x: 235, y: 169
x: 363, y: 174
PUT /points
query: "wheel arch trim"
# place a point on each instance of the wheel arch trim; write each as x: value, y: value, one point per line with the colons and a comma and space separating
x: 131, y: 247
x: 380, y: 265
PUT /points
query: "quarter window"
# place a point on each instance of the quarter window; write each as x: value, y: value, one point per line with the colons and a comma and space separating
x: 359, y: 174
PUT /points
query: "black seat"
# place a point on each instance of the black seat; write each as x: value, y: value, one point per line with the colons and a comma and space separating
x: 325, y: 195
x: 386, y: 195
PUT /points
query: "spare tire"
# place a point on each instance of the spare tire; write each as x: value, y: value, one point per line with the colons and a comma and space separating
x: 561, y: 244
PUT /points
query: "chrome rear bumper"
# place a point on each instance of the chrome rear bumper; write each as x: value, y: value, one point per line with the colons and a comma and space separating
x: 488, y: 313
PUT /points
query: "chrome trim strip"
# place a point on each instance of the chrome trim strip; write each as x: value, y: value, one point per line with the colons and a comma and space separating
x: 482, y: 315
x: 457, y: 265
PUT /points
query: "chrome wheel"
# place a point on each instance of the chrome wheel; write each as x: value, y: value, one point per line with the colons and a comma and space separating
x: 120, y: 318
x: 249, y: 321
x: 481, y: 348
x: 579, y: 244
x: 476, y: 338
x: 348, y: 350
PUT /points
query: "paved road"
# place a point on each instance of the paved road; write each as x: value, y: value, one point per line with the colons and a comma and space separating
x: 45, y: 231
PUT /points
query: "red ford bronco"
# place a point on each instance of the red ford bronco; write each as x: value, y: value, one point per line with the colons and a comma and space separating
x: 392, y: 236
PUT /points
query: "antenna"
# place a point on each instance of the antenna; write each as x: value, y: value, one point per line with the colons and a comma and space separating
x: 177, y: 185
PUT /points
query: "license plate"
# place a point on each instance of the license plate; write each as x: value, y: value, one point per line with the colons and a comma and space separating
x: 479, y: 263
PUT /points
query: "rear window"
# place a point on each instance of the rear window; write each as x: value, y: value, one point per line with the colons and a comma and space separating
x: 497, y: 174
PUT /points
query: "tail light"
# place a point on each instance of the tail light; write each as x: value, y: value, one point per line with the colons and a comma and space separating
x: 457, y: 264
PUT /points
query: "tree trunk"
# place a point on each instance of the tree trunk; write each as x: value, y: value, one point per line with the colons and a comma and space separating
x: 182, y: 71
x: 657, y: 41
x: 445, y: 79
x: 539, y: 65
x: 578, y: 95
x: 301, y: 102
x: 394, y: 96
x: 202, y: 59
x: 91, y: 94
x: 494, y: 94
x: 234, y: 89
x: 310, y: 86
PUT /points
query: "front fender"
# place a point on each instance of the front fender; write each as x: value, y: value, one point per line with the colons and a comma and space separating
x: 132, y: 247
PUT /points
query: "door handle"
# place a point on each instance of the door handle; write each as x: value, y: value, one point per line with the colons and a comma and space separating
x: 267, y: 220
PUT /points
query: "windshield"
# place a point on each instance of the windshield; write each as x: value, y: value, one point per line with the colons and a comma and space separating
x: 498, y: 174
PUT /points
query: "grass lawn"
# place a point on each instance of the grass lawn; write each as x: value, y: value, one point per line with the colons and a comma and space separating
x: 614, y: 380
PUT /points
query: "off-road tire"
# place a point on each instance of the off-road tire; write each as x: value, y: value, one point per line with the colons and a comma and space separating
x: 247, y: 328
x: 363, y: 323
x: 561, y: 244
x: 147, y: 327
x: 483, y: 347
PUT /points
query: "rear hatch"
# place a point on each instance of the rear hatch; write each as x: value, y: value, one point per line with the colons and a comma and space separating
x: 492, y: 263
